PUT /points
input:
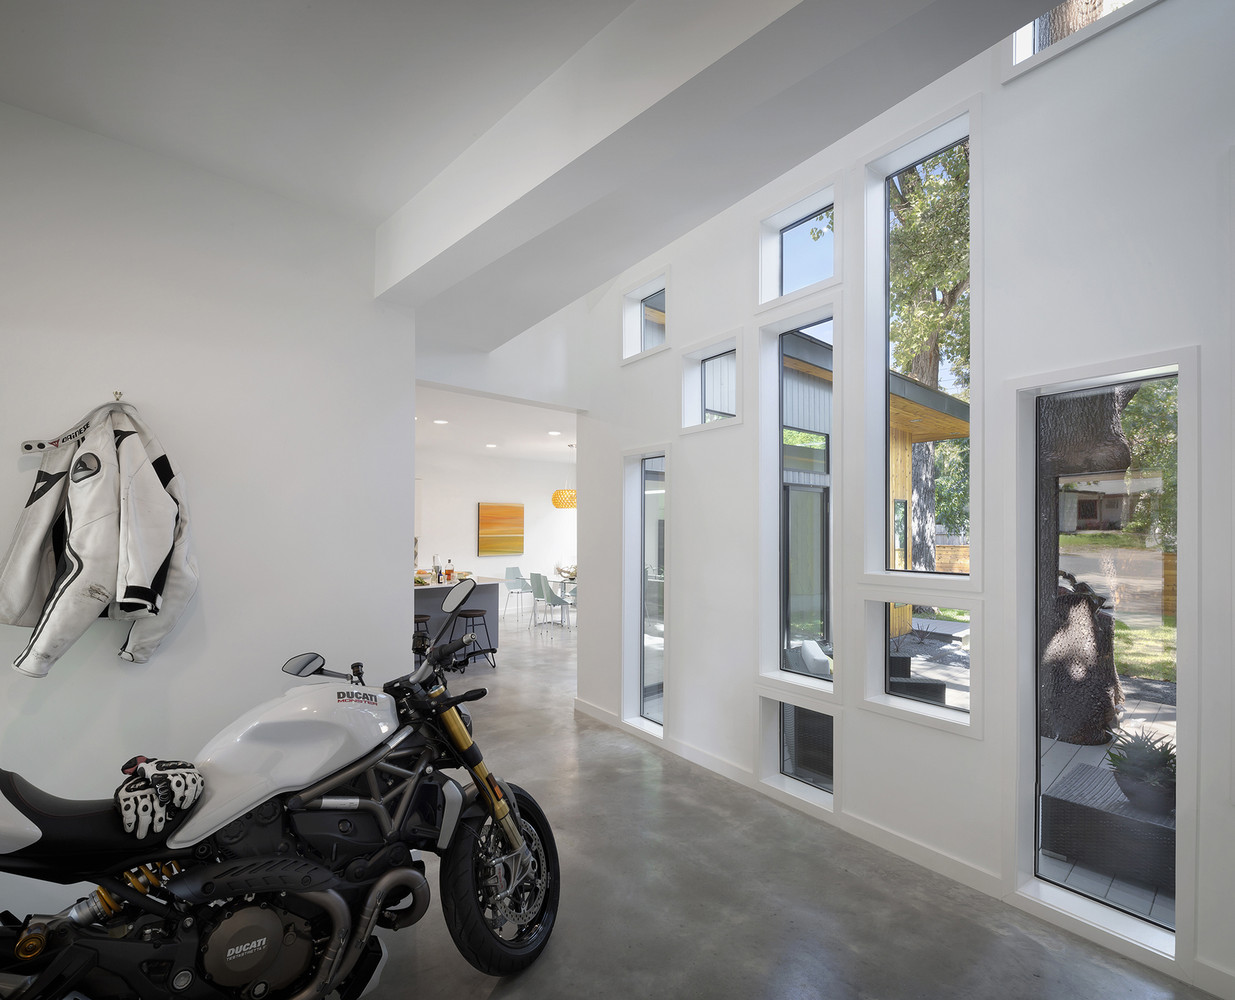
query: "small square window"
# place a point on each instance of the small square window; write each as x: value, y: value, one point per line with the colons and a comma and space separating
x: 928, y: 655
x: 806, y: 746
x: 797, y: 246
x: 652, y: 320
x: 806, y: 251
x: 711, y: 383
x: 719, y: 386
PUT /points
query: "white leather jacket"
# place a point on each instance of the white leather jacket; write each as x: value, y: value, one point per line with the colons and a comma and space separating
x: 104, y: 533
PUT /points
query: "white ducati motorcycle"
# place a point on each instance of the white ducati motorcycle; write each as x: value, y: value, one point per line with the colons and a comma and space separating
x: 305, y: 838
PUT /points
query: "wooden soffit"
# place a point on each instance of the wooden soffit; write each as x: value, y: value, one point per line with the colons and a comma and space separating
x: 925, y: 414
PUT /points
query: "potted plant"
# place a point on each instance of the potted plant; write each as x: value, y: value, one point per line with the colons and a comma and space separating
x: 899, y: 662
x: 1144, y: 766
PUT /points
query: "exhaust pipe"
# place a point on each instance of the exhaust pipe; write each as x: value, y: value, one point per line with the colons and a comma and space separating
x: 408, y: 878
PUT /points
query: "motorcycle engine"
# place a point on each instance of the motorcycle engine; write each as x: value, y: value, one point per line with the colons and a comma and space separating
x: 258, y: 947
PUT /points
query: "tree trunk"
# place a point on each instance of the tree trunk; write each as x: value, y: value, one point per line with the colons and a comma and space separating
x: 1070, y: 16
x: 1079, y: 688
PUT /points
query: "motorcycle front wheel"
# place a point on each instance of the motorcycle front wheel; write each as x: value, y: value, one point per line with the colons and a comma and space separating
x: 500, y: 936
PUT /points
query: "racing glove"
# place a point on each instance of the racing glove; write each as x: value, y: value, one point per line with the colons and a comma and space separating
x: 154, y: 788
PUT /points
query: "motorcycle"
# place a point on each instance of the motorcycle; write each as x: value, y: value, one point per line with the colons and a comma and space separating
x: 305, y: 838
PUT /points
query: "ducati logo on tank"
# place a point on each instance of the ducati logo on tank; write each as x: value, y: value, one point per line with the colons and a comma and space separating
x: 357, y: 696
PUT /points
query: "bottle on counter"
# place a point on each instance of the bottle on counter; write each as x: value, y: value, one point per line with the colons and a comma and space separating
x: 450, y: 571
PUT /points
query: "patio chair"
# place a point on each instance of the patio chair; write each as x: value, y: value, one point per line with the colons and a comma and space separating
x: 517, y: 584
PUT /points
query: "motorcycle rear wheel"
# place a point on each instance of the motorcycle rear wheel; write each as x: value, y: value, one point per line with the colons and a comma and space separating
x: 497, y: 936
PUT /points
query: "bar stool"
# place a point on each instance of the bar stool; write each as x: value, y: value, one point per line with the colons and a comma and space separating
x: 421, y: 628
x: 474, y: 618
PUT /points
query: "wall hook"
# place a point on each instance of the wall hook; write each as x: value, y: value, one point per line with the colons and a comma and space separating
x: 117, y: 393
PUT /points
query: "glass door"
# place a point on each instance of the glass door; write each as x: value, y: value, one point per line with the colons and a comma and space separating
x: 1107, y: 484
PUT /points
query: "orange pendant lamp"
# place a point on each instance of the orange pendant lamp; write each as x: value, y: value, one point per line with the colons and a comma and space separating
x: 564, y: 499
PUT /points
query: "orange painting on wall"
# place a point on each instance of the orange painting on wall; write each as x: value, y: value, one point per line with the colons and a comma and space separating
x: 499, y: 529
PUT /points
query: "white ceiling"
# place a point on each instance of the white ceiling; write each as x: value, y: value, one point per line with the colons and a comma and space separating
x: 511, y: 155
x: 350, y: 105
x: 473, y: 422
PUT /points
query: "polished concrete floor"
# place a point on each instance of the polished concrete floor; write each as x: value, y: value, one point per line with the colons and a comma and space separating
x: 678, y: 883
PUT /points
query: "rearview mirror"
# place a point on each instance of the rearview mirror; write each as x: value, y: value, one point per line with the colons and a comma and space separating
x: 457, y: 594
x: 304, y: 664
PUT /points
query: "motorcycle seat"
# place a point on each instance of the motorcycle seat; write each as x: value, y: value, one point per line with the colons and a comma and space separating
x: 78, y: 836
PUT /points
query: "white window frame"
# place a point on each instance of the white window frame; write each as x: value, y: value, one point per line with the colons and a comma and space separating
x: 632, y: 587
x: 875, y: 696
x: 770, y: 244
x: 692, y: 381
x: 1125, y: 933
x: 783, y: 787
x: 632, y: 317
x: 774, y: 682
x: 1011, y: 68
x: 944, y: 131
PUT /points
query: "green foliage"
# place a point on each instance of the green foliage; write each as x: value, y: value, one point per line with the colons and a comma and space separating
x: 952, y: 485
x: 804, y: 439
x: 928, y: 268
x: 1084, y: 541
x: 1145, y: 757
x: 816, y: 232
x: 1151, y: 424
x: 943, y: 614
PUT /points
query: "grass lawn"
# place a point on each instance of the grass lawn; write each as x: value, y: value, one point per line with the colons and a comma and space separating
x: 1146, y: 652
x: 1085, y: 541
x: 943, y: 614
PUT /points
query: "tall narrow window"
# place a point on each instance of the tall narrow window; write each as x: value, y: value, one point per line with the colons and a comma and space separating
x: 652, y: 651
x: 643, y: 317
x: 1106, y: 535
x: 806, y: 482
x: 928, y: 363
x: 719, y: 391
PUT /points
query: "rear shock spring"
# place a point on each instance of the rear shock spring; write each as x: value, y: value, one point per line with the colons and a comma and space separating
x: 101, y: 904
x: 95, y: 908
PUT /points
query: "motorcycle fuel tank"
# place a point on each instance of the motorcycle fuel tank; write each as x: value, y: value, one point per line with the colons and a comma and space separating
x: 283, y: 746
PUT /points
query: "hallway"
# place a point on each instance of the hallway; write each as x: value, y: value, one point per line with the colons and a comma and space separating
x: 679, y: 883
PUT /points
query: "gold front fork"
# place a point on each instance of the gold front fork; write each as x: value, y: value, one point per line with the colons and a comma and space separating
x: 461, y: 739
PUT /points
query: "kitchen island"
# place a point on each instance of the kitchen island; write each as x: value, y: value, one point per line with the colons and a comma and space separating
x: 486, y: 596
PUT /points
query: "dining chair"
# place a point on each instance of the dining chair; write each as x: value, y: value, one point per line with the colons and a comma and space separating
x: 518, y: 584
x: 552, y: 600
x: 539, y: 588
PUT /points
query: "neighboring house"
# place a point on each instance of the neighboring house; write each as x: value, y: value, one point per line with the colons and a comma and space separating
x: 1104, y: 503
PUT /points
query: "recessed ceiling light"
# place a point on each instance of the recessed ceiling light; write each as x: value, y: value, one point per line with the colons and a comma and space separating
x: 441, y: 421
x: 555, y: 434
x: 490, y: 446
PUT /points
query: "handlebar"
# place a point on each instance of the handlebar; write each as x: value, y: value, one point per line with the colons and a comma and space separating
x: 443, y: 654
x: 438, y: 656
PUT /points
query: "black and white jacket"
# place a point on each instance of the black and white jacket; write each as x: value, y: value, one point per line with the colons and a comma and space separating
x: 105, y: 533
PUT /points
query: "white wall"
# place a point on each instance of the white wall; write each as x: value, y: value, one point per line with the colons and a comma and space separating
x: 1102, y: 234
x: 244, y: 329
x: 536, y: 366
x: 448, y: 489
